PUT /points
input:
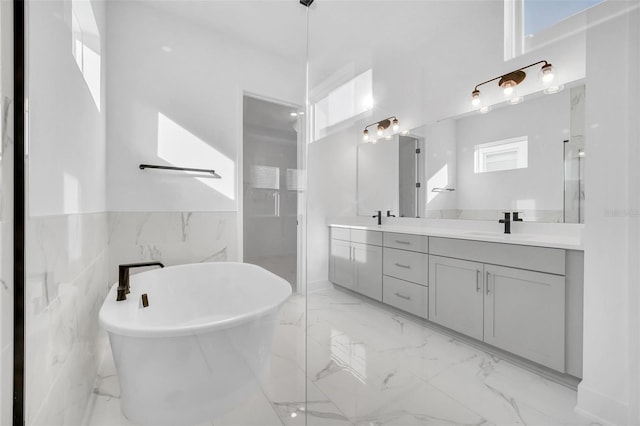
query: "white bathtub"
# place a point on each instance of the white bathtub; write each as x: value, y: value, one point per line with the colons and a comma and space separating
x: 201, y: 345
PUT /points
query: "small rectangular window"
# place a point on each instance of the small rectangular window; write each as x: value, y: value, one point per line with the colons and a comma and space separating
x: 344, y: 102
x: 507, y: 154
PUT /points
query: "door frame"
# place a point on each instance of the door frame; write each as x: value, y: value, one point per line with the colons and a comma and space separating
x: 301, y: 252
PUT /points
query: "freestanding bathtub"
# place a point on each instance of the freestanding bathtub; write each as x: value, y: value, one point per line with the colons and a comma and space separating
x: 200, y: 346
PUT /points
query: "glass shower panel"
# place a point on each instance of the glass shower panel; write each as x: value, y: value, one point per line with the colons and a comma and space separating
x: 6, y: 212
x: 375, y: 352
x: 271, y: 136
x: 170, y: 94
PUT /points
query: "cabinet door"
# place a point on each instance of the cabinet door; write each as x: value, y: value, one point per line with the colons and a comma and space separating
x: 524, y: 314
x: 456, y: 295
x: 341, y: 264
x: 368, y: 267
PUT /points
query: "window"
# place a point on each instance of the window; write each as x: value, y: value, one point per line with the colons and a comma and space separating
x: 506, y: 154
x: 345, y: 102
x: 542, y: 14
x: 530, y: 24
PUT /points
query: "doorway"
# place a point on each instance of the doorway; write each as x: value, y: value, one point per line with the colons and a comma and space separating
x: 272, y: 133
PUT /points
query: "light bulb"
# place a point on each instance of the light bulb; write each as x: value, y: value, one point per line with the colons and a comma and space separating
x: 293, y: 114
x: 365, y: 135
x: 396, y: 126
x: 508, y: 90
x: 580, y: 153
x: 380, y: 130
x: 547, y: 73
x: 475, y: 98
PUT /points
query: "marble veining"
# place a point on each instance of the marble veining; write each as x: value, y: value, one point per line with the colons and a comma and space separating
x: 366, y: 364
x: 65, y: 285
x: 170, y: 237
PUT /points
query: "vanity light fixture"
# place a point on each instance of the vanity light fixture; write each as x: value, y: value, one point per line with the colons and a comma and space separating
x: 508, y: 83
x: 381, y: 126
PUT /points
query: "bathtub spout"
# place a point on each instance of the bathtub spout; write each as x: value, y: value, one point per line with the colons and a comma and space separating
x: 123, y: 277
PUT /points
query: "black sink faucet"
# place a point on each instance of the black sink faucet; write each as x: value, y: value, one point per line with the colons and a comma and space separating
x: 379, y: 216
x: 123, y: 277
x: 516, y: 218
x: 507, y: 222
x: 389, y: 214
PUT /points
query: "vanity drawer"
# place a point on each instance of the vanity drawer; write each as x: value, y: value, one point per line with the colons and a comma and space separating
x: 366, y: 237
x: 406, y: 241
x: 406, y: 265
x: 340, y: 233
x: 543, y: 259
x: 409, y: 297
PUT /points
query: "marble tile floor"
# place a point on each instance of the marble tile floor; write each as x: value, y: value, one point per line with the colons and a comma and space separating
x: 370, y: 366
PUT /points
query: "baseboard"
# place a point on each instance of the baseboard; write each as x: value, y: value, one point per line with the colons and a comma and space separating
x: 601, y: 408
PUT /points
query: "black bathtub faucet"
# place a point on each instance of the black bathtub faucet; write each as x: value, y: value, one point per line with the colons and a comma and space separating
x: 123, y: 277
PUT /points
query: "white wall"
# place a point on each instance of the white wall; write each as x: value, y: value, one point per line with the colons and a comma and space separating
x: 609, y: 390
x: 175, y: 92
x: 66, y: 145
x: 331, y: 192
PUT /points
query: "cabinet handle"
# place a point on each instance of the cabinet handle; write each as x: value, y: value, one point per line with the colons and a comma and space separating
x: 403, y: 242
x: 487, y: 283
x: 400, y: 265
x: 477, y: 280
x: 402, y: 296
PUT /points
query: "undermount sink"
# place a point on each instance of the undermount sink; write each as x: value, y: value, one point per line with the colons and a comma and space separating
x: 498, y: 235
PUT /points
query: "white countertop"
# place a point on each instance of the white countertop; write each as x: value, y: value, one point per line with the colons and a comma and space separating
x: 566, y: 242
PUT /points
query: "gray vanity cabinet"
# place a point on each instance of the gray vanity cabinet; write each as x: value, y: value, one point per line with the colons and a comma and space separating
x: 355, y: 261
x: 524, y: 314
x: 341, y: 264
x: 368, y: 270
x: 456, y: 297
x: 519, y: 310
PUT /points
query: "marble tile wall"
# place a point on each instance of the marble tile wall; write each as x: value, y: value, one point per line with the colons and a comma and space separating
x: 171, y: 237
x: 66, y: 282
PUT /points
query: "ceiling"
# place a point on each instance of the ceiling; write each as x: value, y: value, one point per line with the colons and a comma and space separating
x: 340, y: 31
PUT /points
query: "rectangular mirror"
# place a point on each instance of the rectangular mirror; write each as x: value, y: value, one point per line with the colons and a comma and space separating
x: 390, y: 175
x: 527, y: 157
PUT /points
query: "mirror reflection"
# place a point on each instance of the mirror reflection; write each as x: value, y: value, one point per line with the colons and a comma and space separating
x: 527, y: 158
